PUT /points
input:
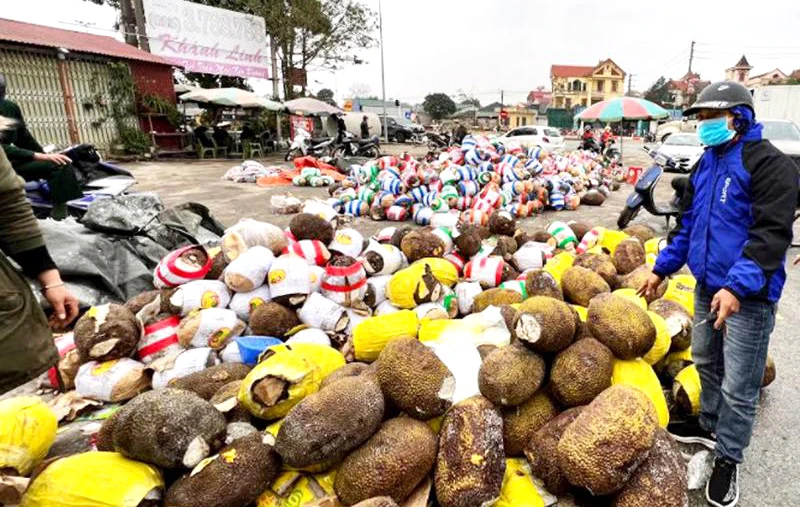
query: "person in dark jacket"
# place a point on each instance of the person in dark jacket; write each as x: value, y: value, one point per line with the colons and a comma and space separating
x: 28, y: 159
x: 734, y: 230
x: 365, y: 128
x: 26, y: 344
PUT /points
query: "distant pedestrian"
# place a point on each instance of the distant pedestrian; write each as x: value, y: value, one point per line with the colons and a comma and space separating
x: 365, y: 127
x: 734, y: 229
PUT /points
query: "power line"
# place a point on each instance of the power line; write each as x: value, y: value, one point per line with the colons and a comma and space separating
x: 746, y: 47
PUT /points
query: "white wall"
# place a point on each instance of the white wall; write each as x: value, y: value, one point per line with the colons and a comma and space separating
x: 777, y: 102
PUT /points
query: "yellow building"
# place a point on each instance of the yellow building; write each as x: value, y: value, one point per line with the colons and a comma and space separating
x: 520, y: 116
x: 575, y: 85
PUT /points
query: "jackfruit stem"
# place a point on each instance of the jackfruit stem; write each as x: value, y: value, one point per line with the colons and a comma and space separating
x: 270, y: 390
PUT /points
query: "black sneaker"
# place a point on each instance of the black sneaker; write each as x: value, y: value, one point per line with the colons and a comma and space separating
x: 690, y: 432
x: 722, y: 489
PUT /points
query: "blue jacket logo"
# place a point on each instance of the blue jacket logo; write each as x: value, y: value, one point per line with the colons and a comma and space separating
x: 724, y: 197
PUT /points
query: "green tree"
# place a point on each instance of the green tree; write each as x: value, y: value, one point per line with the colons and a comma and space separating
x: 326, y: 95
x: 216, y: 81
x: 439, y: 105
x: 659, y: 92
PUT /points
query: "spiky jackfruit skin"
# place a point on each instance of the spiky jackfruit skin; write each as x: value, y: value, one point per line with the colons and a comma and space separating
x: 273, y: 319
x: 326, y: 426
x: 206, y: 383
x: 541, y: 283
x: 471, y: 462
x: 611, y: 437
x: 581, y: 372
x: 520, y: 423
x: 509, y: 376
x: 679, y: 322
x: 542, y: 451
x: 621, y: 325
x: 308, y: 226
x: 661, y: 480
x: 348, y: 370
x: 628, y: 255
x: 158, y: 427
x: 495, y: 297
x: 235, y: 477
x: 544, y: 324
x: 414, y: 379
x: 391, y: 463
x: 503, y: 223
x: 641, y: 232
x: 102, y: 338
x: 636, y: 279
x: 600, y: 264
x: 580, y: 285
x: 105, y: 435
x: 420, y: 244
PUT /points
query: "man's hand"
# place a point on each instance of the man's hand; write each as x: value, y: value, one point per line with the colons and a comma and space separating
x: 724, y: 305
x: 796, y: 260
x: 649, y: 287
x: 64, y: 303
x: 56, y: 158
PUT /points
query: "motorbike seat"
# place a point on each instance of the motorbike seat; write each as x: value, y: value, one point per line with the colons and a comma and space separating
x: 319, y: 140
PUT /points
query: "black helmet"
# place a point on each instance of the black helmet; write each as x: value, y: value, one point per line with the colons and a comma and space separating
x: 721, y: 95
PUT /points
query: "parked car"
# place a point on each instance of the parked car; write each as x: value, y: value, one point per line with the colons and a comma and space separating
x: 683, y: 148
x: 785, y: 135
x: 675, y: 127
x: 546, y: 138
x: 400, y: 129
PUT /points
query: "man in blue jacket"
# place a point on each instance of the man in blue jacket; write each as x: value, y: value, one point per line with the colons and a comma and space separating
x: 734, y: 230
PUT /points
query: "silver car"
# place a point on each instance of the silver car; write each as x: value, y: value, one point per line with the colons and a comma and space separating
x: 684, y: 149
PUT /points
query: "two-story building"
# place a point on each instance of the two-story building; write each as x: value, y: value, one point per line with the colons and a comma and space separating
x: 575, y: 85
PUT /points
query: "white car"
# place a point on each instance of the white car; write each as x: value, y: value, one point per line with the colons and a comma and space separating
x: 684, y: 148
x: 547, y: 138
x: 785, y: 135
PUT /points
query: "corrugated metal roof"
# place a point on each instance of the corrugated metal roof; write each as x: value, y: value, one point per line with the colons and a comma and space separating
x: 38, y: 35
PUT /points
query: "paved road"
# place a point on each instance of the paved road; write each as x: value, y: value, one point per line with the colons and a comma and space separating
x: 770, y: 477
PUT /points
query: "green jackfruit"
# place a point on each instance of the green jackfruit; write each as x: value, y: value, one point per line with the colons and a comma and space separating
x: 600, y: 264
x: 520, y: 423
x: 641, y: 232
x: 539, y: 282
x: 636, y: 279
x: 348, y: 370
x: 621, y: 325
x: 510, y: 375
x: 581, y: 372
x: 391, y: 463
x: 580, y: 285
x: 206, y: 383
x: 495, y: 297
x: 628, y: 255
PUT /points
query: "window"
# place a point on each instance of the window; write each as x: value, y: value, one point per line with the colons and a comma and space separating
x: 568, y: 103
x: 583, y: 102
x: 517, y: 121
x: 524, y: 121
x: 599, y: 86
x: 614, y: 86
x: 576, y: 85
x: 534, y: 132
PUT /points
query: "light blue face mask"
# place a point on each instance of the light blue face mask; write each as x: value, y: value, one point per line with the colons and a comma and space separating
x: 715, y: 131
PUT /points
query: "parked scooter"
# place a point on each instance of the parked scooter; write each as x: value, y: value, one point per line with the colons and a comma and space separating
x: 590, y: 144
x: 351, y: 146
x: 303, y: 145
x: 643, y: 195
x: 98, y: 180
x: 611, y: 152
x: 438, y: 141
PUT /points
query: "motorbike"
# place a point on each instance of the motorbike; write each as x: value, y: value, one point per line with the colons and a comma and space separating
x: 351, y: 146
x: 98, y: 180
x: 611, y: 152
x: 438, y: 140
x: 590, y: 144
x: 303, y: 145
x: 643, y: 195
x: 649, y: 137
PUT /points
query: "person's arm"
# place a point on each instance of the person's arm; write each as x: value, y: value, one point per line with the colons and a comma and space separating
x: 674, y: 255
x: 773, y: 183
x: 18, y: 155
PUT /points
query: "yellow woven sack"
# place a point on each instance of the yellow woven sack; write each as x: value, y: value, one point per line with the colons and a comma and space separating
x: 610, y: 239
x: 372, y: 335
x: 93, y: 479
x: 432, y: 330
x: 27, y: 430
x: 302, y: 365
x: 680, y: 289
x: 637, y: 373
x: 688, y: 380
x: 406, y: 287
x: 444, y: 270
x: 631, y: 294
x: 518, y: 488
x: 583, y: 312
x: 294, y: 489
x: 663, y: 340
x: 559, y: 265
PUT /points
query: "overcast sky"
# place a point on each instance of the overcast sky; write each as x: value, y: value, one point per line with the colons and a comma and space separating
x: 481, y: 47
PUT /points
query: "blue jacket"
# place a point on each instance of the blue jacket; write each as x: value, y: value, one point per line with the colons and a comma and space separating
x: 736, y: 219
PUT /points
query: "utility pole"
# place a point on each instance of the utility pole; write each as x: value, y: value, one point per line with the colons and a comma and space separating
x: 128, y: 21
x: 383, y: 75
x: 138, y: 12
x: 500, y: 116
x: 691, y: 57
x: 273, y: 49
x: 630, y: 83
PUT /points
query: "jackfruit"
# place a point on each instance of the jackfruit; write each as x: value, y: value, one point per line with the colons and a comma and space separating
x: 600, y: 264
x: 580, y: 229
x: 421, y: 243
x: 415, y: 379
x: 495, y: 297
x: 521, y: 422
x: 636, y: 279
x: 581, y: 372
x: 539, y: 282
x: 628, y: 255
x: 769, y: 372
x: 631, y: 295
x: 391, y: 463
x: 542, y: 451
x: 226, y: 400
x: 107, y: 332
x: 509, y: 376
x: 413, y: 286
x: 169, y: 428
x: 621, y: 326
x: 642, y: 232
x: 206, y: 383
x: 308, y: 226
x: 234, y: 477
x: 348, y: 370
x: 661, y: 480
x: 503, y: 223
x: 442, y: 269
x: 326, y: 426
x: 679, y: 322
x: 104, y: 438
x: 580, y: 285
x: 544, y: 324
x: 610, y: 438
x: 471, y: 463
x: 273, y: 319
x: 637, y: 373
x: 468, y: 241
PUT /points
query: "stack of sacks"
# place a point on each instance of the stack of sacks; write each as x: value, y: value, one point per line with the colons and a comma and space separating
x: 249, y: 171
x: 470, y: 182
x: 478, y: 364
x: 311, y: 177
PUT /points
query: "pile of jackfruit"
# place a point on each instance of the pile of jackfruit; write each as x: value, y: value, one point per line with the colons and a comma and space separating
x: 483, y: 365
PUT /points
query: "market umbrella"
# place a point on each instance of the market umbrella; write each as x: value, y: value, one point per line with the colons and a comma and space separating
x: 308, y: 106
x: 230, y: 97
x: 623, y: 108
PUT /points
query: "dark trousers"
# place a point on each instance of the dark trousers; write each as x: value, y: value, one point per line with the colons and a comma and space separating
x: 61, y: 179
